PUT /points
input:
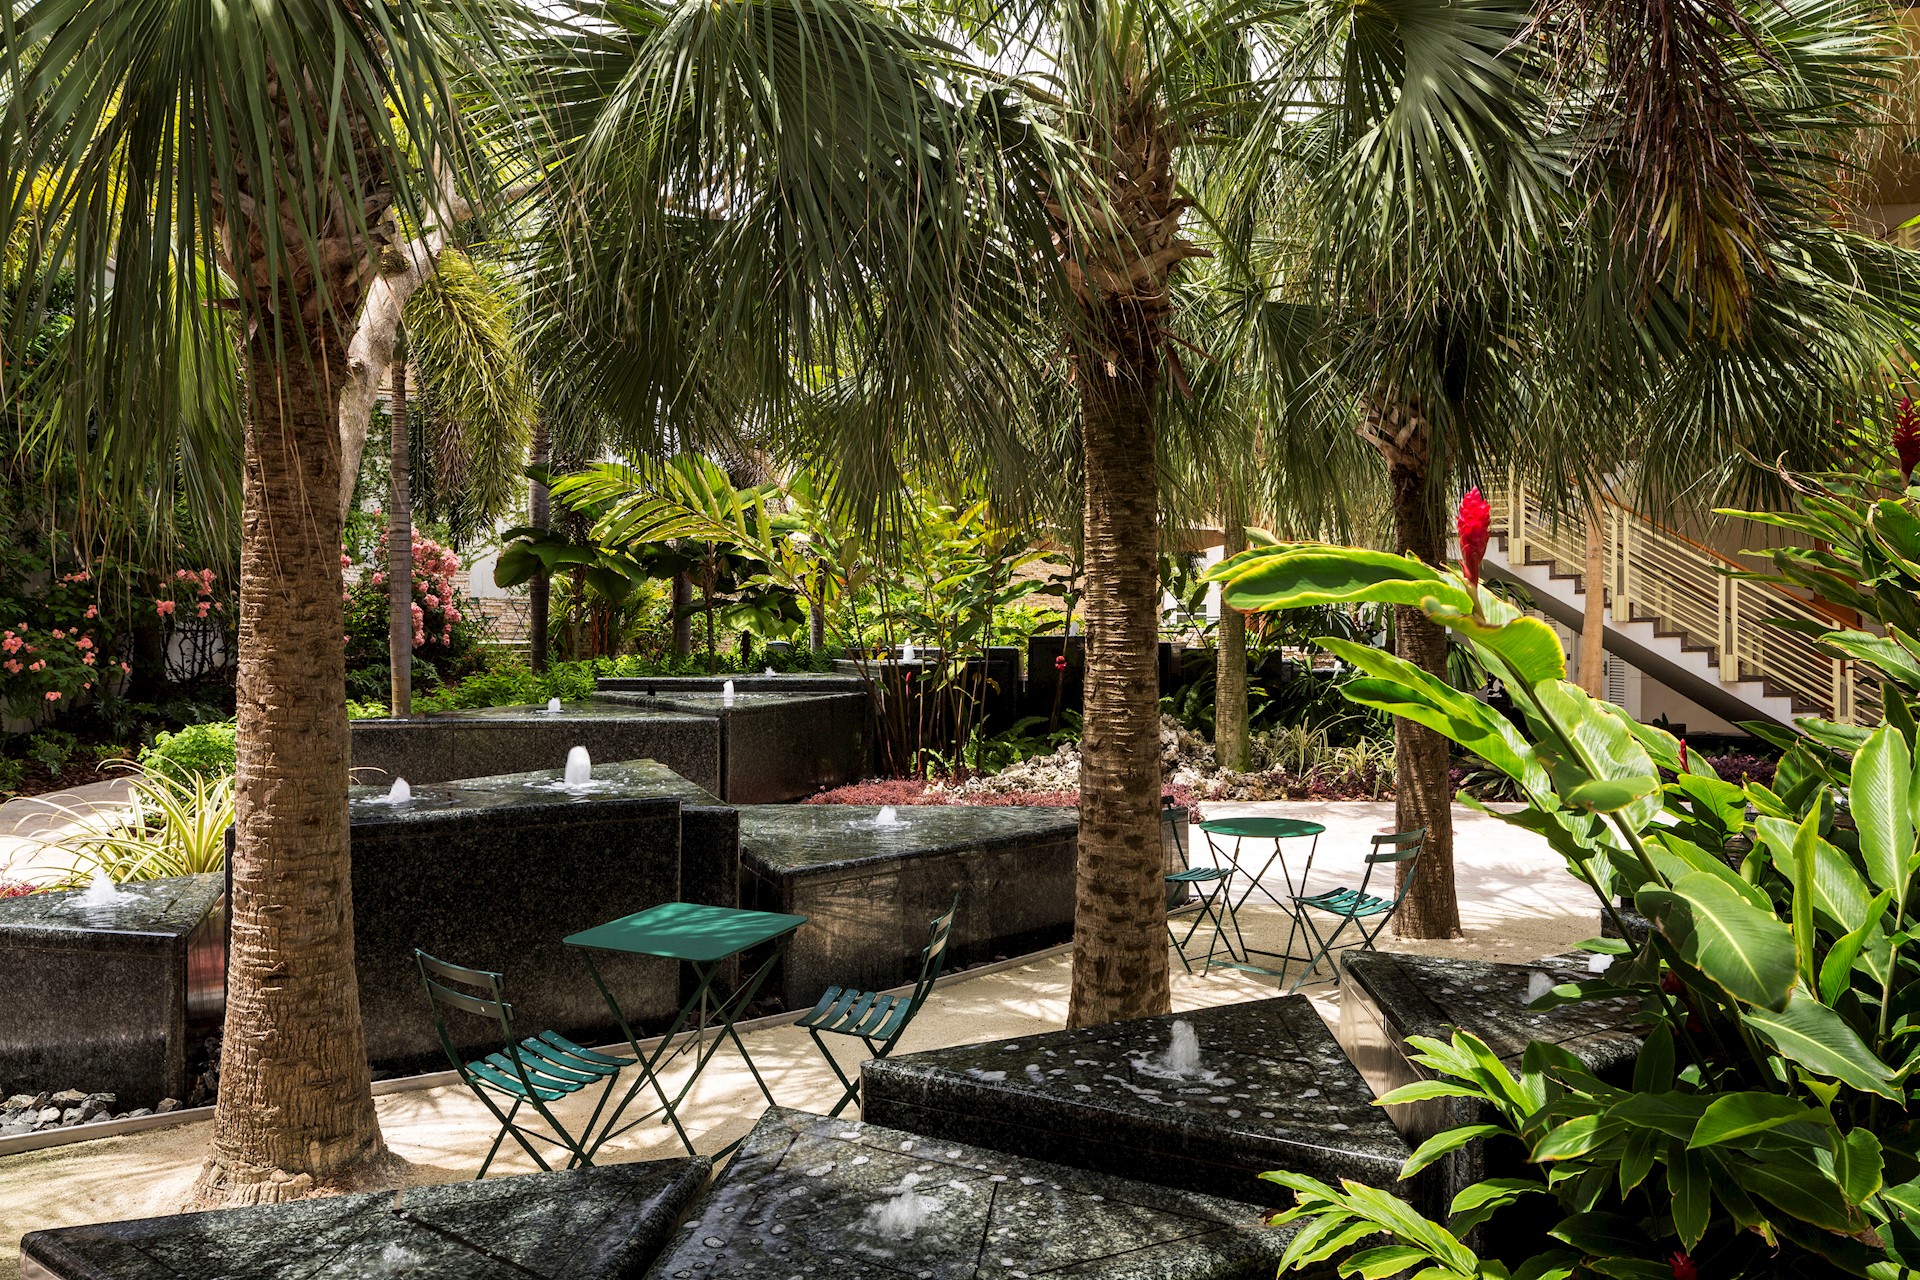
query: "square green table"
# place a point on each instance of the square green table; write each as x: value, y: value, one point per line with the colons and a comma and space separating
x: 705, y: 937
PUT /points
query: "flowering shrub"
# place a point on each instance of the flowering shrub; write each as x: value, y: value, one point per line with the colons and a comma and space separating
x: 446, y: 632
x: 56, y: 647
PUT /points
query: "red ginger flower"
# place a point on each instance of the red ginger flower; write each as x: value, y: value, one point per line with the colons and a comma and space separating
x: 1474, y: 523
x: 1906, y: 437
x: 1682, y: 1266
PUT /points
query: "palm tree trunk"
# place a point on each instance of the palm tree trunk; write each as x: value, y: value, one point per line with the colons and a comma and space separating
x: 1120, y: 898
x: 540, y: 589
x: 1231, y: 738
x: 296, y: 1113
x: 399, y: 553
x: 1423, y: 790
x: 682, y: 615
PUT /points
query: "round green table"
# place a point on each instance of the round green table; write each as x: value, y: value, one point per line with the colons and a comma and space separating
x: 1275, y: 829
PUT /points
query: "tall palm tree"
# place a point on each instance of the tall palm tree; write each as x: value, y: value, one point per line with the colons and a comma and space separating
x: 197, y: 159
x: 1589, y: 251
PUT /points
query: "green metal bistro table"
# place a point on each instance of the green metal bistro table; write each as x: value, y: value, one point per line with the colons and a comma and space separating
x: 705, y: 937
x: 1275, y: 829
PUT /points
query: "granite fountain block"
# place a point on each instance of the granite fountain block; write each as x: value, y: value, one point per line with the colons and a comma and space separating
x: 709, y: 828
x: 774, y: 746
x: 111, y: 998
x: 494, y: 740
x: 1387, y: 998
x: 779, y: 682
x: 837, y: 1200
x: 1263, y: 1087
x: 494, y: 880
x: 604, y: 1223
x: 869, y: 891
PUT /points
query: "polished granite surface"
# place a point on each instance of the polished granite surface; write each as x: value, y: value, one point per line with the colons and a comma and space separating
x: 811, y: 1197
x: 604, y: 1223
x: 1257, y: 1086
x: 785, y: 839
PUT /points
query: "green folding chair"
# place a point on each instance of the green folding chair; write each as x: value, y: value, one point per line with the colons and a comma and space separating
x: 1356, y: 906
x: 535, y: 1071
x: 1216, y: 906
x: 876, y: 1019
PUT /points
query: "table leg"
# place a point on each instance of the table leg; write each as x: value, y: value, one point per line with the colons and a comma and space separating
x: 726, y: 1013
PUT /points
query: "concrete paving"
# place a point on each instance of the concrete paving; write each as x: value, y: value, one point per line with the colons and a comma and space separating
x: 1517, y: 903
x: 30, y: 826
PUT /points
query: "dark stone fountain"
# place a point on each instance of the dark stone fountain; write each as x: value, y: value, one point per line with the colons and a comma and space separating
x: 111, y: 997
x: 497, y: 740
x: 1387, y: 998
x: 811, y: 1197
x: 774, y: 745
x: 604, y: 1223
x: 494, y: 879
x: 869, y: 890
x: 1259, y: 1086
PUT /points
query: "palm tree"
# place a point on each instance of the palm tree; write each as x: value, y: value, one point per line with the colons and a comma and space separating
x: 197, y: 159
x: 1578, y: 256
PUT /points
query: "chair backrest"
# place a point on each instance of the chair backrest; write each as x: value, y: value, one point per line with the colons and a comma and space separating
x: 934, y: 958
x: 444, y: 999
x: 1399, y: 846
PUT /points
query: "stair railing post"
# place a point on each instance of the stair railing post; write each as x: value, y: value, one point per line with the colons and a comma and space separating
x: 1516, y: 520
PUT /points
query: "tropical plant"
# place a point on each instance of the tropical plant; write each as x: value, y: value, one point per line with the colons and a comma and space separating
x: 445, y: 630
x: 1765, y: 1126
x: 1536, y: 268
x: 197, y: 750
x: 215, y: 176
x: 170, y: 825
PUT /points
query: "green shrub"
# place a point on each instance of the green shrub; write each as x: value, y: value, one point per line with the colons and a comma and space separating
x: 12, y: 774
x: 52, y: 748
x: 203, y: 749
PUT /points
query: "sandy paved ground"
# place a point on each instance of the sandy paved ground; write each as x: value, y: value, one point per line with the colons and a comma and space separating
x: 1517, y: 903
x: 29, y: 824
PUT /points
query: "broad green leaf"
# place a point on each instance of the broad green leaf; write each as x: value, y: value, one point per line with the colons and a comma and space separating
x: 1292, y: 577
x: 1673, y: 1113
x: 1383, y: 1261
x: 1836, y: 971
x: 1428, y: 700
x: 1803, y: 931
x: 1610, y: 795
x: 1601, y: 1234
x: 1798, y: 1186
x: 1575, y: 1137
x: 1818, y: 1039
x: 1858, y: 1165
x: 1745, y: 950
x: 1882, y: 781
x: 1445, y: 1143
x: 1526, y: 647
x: 1886, y: 655
x: 1600, y: 745
x: 1653, y: 1069
x: 1839, y: 891
x: 1691, y: 1192
x: 1734, y: 1115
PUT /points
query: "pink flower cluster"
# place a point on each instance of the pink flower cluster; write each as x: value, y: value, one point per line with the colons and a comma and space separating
x: 434, y: 569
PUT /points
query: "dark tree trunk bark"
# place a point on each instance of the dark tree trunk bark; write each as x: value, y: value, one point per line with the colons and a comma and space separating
x: 296, y: 1112
x: 1120, y: 897
x: 682, y: 616
x: 1423, y: 790
x: 399, y: 553
x: 1121, y: 273
x: 540, y: 589
x: 1231, y: 735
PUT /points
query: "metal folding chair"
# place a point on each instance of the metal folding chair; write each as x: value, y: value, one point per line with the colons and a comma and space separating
x: 876, y: 1019
x: 1356, y: 906
x: 536, y: 1071
x: 1216, y: 905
